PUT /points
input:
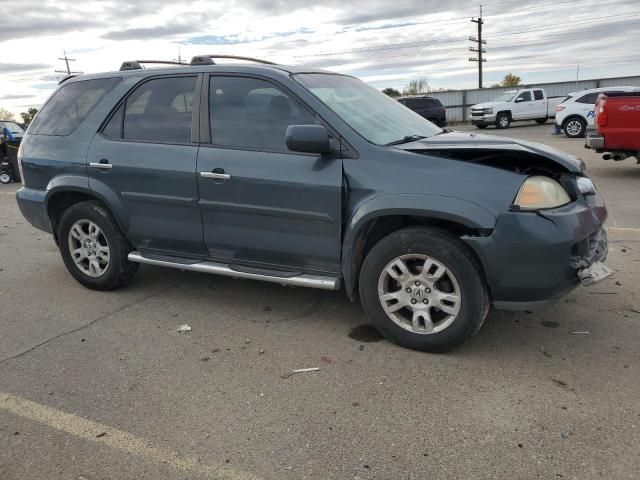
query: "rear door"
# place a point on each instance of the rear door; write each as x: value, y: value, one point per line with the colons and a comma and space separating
x: 144, y: 160
x: 585, y: 106
x: 539, y: 104
x: 261, y: 203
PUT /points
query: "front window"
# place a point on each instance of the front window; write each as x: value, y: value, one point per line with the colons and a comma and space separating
x: 505, y: 97
x: 378, y: 118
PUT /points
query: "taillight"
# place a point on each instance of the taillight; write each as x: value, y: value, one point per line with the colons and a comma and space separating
x: 601, y: 114
x: 559, y: 108
x: 19, y: 158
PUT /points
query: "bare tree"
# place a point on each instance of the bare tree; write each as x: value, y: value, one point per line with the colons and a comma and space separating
x: 416, y: 87
x: 6, y: 114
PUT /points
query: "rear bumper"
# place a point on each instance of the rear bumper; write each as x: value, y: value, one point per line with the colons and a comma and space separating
x: 531, y: 259
x: 594, y: 141
x: 31, y: 203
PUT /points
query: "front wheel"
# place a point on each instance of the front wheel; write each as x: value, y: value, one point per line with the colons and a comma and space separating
x: 422, y: 289
x: 503, y: 120
x: 93, y: 248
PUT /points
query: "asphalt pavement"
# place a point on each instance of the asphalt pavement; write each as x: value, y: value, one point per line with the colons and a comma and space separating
x: 102, y: 386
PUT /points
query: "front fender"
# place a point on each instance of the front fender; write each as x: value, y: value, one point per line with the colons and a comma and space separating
x: 99, y: 190
x: 434, y: 207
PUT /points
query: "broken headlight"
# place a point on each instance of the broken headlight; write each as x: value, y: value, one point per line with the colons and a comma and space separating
x: 539, y: 192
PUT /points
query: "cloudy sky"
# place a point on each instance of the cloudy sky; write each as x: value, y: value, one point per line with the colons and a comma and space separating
x: 384, y: 42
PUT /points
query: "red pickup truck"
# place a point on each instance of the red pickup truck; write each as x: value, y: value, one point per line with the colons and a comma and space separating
x: 617, y: 126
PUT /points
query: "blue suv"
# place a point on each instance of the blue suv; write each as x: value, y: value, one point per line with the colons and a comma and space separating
x: 307, y: 178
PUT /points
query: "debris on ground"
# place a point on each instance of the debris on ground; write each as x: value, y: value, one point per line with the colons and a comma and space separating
x: 326, y: 360
x: 261, y: 351
x: 184, y: 328
x: 101, y: 434
x: 580, y: 333
x: 299, y: 370
x: 545, y: 353
x: 559, y: 382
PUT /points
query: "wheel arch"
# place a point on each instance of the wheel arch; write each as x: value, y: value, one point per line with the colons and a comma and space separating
x: 378, y: 218
x: 65, y: 191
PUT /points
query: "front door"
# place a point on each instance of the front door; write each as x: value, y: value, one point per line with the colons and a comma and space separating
x: 145, y: 160
x: 522, y: 106
x: 261, y: 203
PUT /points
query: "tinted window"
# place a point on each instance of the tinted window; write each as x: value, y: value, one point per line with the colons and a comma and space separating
x: 538, y: 95
x: 252, y: 113
x: 160, y: 111
x: 589, y: 98
x: 524, y: 97
x: 114, y: 127
x: 69, y: 106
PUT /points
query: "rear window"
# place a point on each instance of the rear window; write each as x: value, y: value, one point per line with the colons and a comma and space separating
x: 70, y: 105
x: 589, y: 98
x: 538, y: 95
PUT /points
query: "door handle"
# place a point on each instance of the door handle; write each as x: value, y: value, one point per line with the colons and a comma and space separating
x: 216, y: 173
x: 102, y: 164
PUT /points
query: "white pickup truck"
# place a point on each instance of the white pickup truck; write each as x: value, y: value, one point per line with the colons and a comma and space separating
x: 522, y: 104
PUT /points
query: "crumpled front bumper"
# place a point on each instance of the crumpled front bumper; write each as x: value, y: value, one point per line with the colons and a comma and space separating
x: 533, y: 258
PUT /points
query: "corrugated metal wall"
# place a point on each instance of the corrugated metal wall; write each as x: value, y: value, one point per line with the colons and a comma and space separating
x: 459, y: 101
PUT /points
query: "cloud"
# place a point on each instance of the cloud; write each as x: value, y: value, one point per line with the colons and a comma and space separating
x: 14, y: 97
x: 22, y: 67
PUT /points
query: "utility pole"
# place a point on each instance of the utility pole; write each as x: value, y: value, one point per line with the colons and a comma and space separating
x: 66, y: 62
x: 480, y: 49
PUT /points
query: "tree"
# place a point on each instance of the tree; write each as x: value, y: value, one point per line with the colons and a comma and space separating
x: 416, y: 87
x: 28, y: 116
x: 511, y: 80
x: 6, y: 114
x: 392, y: 92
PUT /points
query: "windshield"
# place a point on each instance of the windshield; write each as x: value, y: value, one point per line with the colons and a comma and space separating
x: 372, y: 114
x: 13, y: 127
x: 506, y: 97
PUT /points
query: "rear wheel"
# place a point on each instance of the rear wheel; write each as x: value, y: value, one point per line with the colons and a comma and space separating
x: 422, y: 289
x: 5, y: 178
x: 503, y: 120
x: 574, y: 127
x: 93, y: 248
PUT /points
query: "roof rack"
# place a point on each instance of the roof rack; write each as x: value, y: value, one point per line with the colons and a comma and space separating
x: 208, y: 59
x: 137, y: 64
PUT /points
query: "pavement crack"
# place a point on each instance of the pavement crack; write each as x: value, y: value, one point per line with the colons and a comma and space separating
x: 92, y: 322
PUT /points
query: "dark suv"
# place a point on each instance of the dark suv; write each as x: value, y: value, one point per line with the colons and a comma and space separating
x: 307, y: 178
x: 427, y: 107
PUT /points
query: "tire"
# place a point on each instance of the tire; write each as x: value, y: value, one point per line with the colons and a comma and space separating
x: 481, y: 126
x: 503, y: 120
x: 5, y: 178
x: 541, y: 121
x: 95, y: 269
x: 574, y: 127
x: 439, y: 331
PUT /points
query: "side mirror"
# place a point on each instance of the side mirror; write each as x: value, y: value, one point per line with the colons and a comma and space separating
x: 519, y: 100
x: 307, y: 138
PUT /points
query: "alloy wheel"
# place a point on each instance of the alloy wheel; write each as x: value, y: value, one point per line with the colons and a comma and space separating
x: 419, y: 294
x: 89, y: 248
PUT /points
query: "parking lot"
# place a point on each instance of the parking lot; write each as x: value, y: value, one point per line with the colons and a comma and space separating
x: 101, y: 385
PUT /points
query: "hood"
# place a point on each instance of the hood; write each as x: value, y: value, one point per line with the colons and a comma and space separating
x: 479, y: 106
x: 469, y: 140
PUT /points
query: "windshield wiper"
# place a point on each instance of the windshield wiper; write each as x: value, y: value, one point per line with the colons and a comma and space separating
x: 407, y: 139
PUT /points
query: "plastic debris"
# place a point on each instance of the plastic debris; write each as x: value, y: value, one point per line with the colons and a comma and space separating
x: 299, y: 370
x: 184, y: 328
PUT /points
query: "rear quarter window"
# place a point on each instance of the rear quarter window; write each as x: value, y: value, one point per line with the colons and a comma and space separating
x: 70, y: 105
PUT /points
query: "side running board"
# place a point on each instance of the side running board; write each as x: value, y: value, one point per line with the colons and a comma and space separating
x: 283, y: 278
